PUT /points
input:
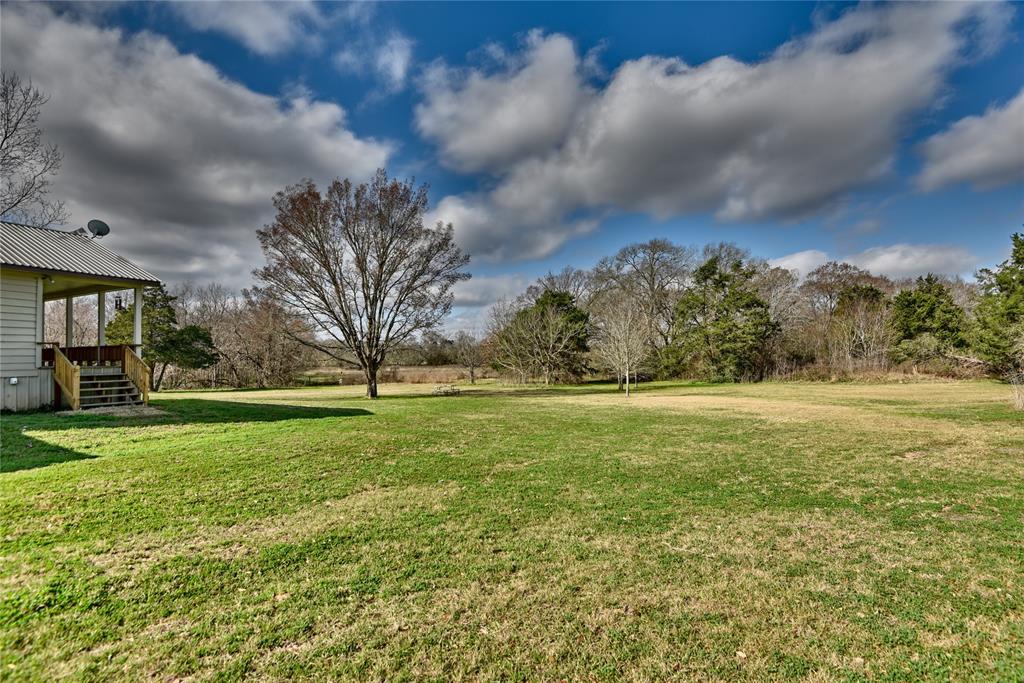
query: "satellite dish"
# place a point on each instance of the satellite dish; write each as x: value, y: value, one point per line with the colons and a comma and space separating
x: 98, y: 228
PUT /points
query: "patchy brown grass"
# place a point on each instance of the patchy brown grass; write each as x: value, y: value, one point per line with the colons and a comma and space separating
x: 133, y: 554
x: 807, y: 532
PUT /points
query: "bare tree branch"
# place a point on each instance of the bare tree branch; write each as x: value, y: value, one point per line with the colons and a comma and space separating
x: 26, y: 163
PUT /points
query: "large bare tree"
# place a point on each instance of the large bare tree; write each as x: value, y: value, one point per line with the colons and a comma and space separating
x: 360, y: 264
x: 26, y: 162
x: 582, y: 285
x: 654, y: 273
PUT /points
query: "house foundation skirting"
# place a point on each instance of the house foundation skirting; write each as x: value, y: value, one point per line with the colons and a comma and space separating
x: 33, y: 390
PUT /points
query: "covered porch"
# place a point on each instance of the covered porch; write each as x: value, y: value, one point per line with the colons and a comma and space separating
x: 42, y: 360
x: 98, y: 374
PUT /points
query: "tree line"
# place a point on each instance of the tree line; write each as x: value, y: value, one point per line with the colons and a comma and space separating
x: 652, y: 310
x: 662, y: 310
x: 353, y: 277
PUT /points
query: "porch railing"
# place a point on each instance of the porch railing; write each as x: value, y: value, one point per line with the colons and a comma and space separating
x: 68, y: 377
x: 85, y: 355
x: 137, y: 371
x: 67, y: 365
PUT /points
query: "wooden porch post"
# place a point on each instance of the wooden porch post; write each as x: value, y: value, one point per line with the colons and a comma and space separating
x: 101, y: 319
x: 40, y: 322
x: 137, y: 330
x: 69, y: 322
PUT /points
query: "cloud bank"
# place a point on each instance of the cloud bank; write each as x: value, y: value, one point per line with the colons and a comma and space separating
x: 265, y: 27
x: 986, y: 151
x: 779, y: 139
x: 180, y: 160
x: 894, y: 260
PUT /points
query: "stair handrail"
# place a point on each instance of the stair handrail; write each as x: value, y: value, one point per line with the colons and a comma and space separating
x: 68, y: 376
x: 135, y: 369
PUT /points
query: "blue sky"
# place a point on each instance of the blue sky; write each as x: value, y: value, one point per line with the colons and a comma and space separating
x: 551, y: 134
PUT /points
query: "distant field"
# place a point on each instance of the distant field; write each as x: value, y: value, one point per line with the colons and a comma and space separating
x: 408, y: 374
x: 745, y: 532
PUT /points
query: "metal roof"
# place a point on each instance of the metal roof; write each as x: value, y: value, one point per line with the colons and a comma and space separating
x: 23, y: 246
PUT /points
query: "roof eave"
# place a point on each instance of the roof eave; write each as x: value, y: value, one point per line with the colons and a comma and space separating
x: 100, y: 279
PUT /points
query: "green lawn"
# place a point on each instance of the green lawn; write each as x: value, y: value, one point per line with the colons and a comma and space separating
x: 744, y: 532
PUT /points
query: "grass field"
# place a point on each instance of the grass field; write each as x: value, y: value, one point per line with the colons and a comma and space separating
x: 745, y: 532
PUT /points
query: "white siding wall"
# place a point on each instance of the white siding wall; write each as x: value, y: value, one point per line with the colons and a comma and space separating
x: 20, y: 329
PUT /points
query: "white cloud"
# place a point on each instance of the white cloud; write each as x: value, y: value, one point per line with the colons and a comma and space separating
x: 779, y: 139
x: 866, y: 226
x: 894, y: 260
x: 265, y: 27
x: 390, y: 62
x: 180, y: 160
x: 986, y: 150
x: 473, y: 320
x: 910, y: 260
x: 393, y: 60
x: 488, y: 120
x: 474, y: 299
x: 802, y: 262
x: 488, y: 227
x: 485, y: 290
x: 349, y: 59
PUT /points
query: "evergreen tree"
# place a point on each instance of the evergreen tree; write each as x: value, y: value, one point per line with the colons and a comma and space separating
x: 163, y: 342
x: 158, y: 321
x: 723, y: 326
x: 998, y: 334
x: 928, y: 308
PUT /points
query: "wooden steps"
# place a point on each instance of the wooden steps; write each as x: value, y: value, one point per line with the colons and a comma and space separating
x: 102, y: 387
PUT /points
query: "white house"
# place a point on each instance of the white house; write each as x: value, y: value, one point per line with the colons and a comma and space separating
x: 42, y: 264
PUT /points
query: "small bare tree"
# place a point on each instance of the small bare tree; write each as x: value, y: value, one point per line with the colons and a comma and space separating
x: 541, y: 340
x: 1016, y: 377
x: 360, y: 264
x: 510, y: 341
x: 622, y: 335
x: 469, y: 352
x: 26, y: 163
x: 654, y: 273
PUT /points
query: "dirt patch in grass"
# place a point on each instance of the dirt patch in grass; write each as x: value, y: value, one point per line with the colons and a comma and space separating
x: 118, y: 411
x: 775, y: 411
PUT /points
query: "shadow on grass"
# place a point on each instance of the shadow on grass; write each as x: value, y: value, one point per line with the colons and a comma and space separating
x: 552, y: 391
x: 465, y: 393
x: 205, y: 411
x: 21, y: 450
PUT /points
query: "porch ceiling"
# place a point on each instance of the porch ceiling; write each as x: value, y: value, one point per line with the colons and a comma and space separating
x: 62, y: 285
